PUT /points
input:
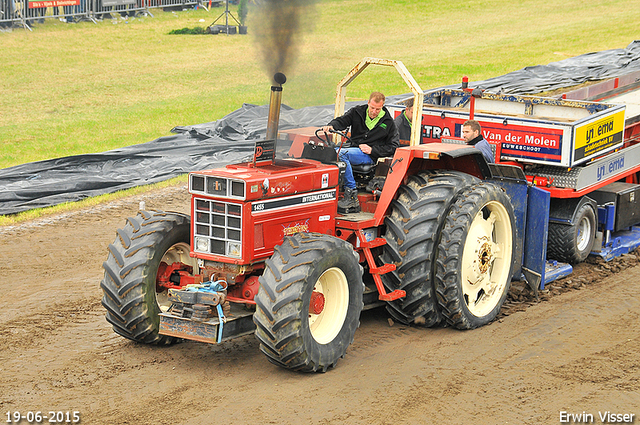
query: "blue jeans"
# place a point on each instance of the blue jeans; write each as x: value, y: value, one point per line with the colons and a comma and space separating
x: 356, y: 157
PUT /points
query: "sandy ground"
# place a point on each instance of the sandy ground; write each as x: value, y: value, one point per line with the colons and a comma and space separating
x: 576, y: 350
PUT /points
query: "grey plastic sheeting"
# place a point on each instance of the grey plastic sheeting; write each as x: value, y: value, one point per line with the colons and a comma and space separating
x: 226, y: 141
x: 566, y: 73
x: 231, y: 139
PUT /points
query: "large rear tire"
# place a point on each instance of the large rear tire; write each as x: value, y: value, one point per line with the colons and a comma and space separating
x: 475, y: 256
x: 131, y: 295
x: 412, y: 231
x: 573, y: 243
x: 309, y: 303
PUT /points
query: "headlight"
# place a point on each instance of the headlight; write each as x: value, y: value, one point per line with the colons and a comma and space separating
x: 234, y: 249
x: 202, y: 244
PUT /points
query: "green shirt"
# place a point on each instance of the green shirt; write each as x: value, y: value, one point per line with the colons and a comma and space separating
x: 407, y: 118
x: 370, y: 123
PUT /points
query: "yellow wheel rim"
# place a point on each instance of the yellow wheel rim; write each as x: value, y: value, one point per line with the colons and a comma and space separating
x: 486, y: 260
x: 327, y: 323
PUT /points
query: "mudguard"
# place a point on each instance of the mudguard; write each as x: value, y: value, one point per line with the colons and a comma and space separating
x: 535, y: 243
x: 516, y: 188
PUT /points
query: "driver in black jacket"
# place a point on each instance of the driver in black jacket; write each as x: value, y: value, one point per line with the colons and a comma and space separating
x: 375, y: 135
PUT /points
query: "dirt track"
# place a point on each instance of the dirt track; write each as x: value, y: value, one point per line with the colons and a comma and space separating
x: 577, y: 350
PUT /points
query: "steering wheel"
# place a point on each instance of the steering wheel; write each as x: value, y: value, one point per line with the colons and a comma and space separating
x: 323, y: 136
x: 325, y: 139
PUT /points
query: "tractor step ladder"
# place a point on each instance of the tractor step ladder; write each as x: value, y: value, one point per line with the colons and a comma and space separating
x: 377, y: 271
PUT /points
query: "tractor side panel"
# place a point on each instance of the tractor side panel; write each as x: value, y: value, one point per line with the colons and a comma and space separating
x: 274, y: 219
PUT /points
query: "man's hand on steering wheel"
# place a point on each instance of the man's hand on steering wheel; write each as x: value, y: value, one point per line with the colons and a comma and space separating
x: 346, y: 142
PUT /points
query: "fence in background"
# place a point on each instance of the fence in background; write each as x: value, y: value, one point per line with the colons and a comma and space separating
x: 26, y: 13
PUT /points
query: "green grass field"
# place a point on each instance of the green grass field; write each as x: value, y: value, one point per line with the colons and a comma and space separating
x: 77, y: 88
x: 80, y: 88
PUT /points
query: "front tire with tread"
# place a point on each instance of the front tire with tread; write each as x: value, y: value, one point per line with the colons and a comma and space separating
x: 130, y: 273
x: 293, y: 335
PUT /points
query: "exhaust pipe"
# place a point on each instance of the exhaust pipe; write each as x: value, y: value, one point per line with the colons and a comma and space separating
x: 274, y: 106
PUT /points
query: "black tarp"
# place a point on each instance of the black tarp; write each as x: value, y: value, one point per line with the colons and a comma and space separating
x: 566, y: 73
x: 231, y: 139
x: 226, y: 141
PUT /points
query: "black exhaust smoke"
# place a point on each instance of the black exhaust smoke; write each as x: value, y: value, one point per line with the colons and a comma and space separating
x: 277, y: 27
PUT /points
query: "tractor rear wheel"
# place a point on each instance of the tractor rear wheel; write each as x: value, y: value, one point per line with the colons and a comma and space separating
x: 132, y: 297
x: 412, y: 232
x: 475, y: 256
x: 573, y: 243
x: 309, y: 303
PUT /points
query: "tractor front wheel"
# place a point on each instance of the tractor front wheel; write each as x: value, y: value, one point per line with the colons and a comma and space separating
x: 132, y: 296
x: 309, y: 302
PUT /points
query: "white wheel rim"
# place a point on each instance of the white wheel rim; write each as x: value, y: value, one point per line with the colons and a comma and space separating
x: 178, y: 253
x: 584, y: 234
x: 326, y: 325
x: 486, y: 260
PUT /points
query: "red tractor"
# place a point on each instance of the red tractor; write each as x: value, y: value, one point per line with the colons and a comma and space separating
x: 265, y: 250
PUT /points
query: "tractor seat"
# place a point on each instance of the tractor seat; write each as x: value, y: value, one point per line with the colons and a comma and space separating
x: 363, y: 169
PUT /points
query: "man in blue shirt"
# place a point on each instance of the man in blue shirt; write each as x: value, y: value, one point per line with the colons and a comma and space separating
x: 472, y: 134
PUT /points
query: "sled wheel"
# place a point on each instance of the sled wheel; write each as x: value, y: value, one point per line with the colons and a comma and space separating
x: 475, y: 256
x: 309, y: 302
x: 131, y: 295
x: 573, y: 243
x: 412, y: 231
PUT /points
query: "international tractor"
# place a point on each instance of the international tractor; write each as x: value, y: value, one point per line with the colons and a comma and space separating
x: 441, y: 235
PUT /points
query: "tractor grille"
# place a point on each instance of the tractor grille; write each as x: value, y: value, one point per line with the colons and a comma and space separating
x: 217, y: 227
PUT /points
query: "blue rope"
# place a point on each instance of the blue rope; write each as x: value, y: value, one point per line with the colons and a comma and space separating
x: 217, y: 286
x: 222, y: 320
